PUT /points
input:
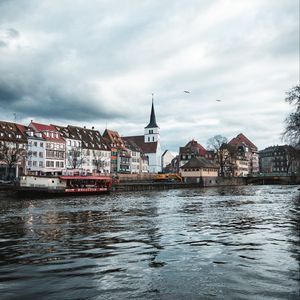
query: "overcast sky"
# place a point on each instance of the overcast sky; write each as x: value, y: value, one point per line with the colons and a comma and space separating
x: 96, y: 63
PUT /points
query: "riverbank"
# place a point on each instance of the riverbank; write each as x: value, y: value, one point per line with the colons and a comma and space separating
x: 150, y: 185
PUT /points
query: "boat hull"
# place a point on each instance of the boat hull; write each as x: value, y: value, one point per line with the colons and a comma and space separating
x: 28, y: 191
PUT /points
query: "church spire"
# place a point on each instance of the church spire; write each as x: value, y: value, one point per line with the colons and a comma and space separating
x: 152, y: 123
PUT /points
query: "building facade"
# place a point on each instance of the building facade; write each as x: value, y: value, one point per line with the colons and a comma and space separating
x: 149, y: 143
x: 13, y: 150
x: 54, y: 148
x: 283, y: 160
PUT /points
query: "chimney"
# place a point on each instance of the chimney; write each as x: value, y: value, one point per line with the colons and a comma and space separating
x: 84, y: 127
x: 93, y: 127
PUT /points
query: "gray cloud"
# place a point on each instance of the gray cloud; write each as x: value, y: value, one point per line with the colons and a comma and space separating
x: 98, y: 63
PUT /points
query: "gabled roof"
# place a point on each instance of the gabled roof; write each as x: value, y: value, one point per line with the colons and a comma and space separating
x: 199, y: 162
x: 241, y: 140
x: 90, y: 138
x: 150, y: 147
x: 43, y: 128
x: 13, y: 132
x: 193, y: 147
x: 152, y: 123
x: 113, y: 138
x: 131, y: 145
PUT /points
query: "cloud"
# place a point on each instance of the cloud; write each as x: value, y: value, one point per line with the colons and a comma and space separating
x: 98, y: 63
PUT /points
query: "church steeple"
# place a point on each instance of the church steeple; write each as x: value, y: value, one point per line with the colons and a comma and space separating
x: 152, y: 123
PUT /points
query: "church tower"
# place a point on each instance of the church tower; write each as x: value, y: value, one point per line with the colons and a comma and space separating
x: 152, y: 130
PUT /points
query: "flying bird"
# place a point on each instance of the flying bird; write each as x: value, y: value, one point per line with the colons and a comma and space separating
x: 218, y: 100
x: 187, y: 92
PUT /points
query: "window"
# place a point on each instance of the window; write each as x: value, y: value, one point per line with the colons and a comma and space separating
x: 35, y: 144
x: 61, y: 164
x: 57, y: 164
x: 153, y: 139
x: 34, y: 163
x: 40, y: 154
x: 41, y: 144
x: 148, y: 139
x: 41, y: 164
x: 151, y: 131
x: 34, y: 154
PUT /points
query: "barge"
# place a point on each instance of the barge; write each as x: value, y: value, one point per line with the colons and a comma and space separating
x: 64, y: 185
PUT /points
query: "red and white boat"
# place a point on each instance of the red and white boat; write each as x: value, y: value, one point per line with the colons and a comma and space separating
x: 65, y: 184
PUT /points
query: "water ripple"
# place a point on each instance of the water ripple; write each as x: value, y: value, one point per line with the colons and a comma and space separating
x: 216, y: 243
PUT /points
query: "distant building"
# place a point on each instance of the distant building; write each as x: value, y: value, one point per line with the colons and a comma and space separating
x: 150, y: 143
x: 54, y: 150
x: 166, y: 159
x: 36, y: 159
x: 250, y: 151
x: 199, y: 170
x: 74, y: 152
x: 282, y: 159
x: 190, y: 150
x: 95, y: 152
x: 13, y: 150
x: 120, y: 156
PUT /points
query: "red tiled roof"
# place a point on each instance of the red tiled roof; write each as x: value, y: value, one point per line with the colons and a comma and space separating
x: 192, y: 146
x: 50, y: 128
x: 242, y: 139
x: 43, y: 127
x: 146, y: 147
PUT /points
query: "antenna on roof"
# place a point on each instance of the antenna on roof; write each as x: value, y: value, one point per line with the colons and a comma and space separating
x: 15, y: 117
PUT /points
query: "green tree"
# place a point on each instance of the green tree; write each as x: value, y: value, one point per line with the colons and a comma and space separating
x: 292, y: 122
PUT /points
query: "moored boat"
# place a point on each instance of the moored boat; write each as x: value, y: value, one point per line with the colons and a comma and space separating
x: 65, y: 185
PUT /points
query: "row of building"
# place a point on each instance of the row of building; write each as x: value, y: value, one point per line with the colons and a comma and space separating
x: 49, y: 149
x: 44, y: 149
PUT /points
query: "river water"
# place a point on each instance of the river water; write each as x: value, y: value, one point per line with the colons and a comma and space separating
x: 214, y: 243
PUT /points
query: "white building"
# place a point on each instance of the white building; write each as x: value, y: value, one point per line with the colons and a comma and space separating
x: 166, y: 159
x: 150, y: 143
x: 36, y: 152
x: 55, y: 149
x: 96, y: 153
x: 74, y: 155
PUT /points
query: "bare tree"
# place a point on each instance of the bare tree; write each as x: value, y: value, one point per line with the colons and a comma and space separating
x: 218, y: 144
x: 75, y: 157
x: 293, y: 159
x: 99, y: 161
x: 11, y: 154
x: 292, y: 128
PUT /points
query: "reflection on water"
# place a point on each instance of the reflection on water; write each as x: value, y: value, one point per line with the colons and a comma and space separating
x: 217, y: 243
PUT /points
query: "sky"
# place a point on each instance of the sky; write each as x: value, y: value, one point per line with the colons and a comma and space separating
x: 97, y: 63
